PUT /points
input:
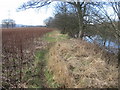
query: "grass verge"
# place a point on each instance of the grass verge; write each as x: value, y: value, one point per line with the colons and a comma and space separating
x: 55, y: 36
x: 34, y: 74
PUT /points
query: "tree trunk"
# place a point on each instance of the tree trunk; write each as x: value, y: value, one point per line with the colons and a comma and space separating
x: 104, y: 42
x: 80, y: 17
x: 109, y: 43
x: 119, y: 42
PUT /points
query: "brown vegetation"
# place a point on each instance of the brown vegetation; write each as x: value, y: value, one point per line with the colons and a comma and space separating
x: 18, y: 45
x: 78, y: 64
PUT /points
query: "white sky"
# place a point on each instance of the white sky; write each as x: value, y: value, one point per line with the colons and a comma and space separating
x: 27, y: 17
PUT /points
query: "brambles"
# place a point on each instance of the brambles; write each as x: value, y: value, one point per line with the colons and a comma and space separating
x: 18, y: 47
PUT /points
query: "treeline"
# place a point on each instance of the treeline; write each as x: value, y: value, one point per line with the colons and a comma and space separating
x: 80, y: 19
x: 96, y: 21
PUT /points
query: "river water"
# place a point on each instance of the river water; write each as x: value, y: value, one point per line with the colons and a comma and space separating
x: 110, y: 46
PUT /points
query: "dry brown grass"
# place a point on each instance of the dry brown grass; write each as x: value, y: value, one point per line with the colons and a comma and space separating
x: 78, y: 64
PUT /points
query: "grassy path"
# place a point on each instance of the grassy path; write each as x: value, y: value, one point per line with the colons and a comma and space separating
x: 38, y: 75
x: 41, y: 67
x: 46, y: 77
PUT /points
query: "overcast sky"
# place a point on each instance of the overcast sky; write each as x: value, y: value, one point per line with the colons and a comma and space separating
x: 27, y: 17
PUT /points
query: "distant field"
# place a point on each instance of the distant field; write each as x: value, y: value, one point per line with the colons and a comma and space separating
x: 18, y: 53
x: 14, y: 37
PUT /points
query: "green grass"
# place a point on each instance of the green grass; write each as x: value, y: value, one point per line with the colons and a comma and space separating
x: 40, y: 55
x: 50, y: 80
x: 55, y: 36
x: 33, y: 73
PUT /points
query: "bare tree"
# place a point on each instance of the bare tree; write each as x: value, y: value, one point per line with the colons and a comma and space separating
x: 80, y: 6
x: 116, y: 8
x: 82, y: 9
x: 8, y: 23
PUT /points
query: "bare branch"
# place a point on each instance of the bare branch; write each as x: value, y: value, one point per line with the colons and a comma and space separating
x: 34, y: 4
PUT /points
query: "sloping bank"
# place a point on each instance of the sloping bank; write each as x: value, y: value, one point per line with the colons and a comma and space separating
x: 78, y: 64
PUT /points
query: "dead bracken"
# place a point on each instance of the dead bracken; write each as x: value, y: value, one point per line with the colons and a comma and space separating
x: 78, y: 64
